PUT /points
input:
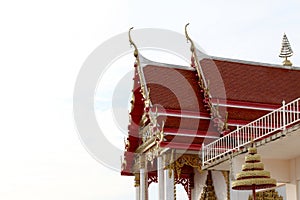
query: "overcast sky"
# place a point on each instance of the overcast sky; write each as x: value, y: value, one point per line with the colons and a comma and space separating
x: 43, y: 46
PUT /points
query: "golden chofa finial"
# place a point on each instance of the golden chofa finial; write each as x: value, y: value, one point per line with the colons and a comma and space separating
x: 136, y: 52
x: 286, y: 51
x: 188, y: 37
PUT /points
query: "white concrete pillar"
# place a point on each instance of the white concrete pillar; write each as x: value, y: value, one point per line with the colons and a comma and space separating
x: 137, y: 192
x: 298, y: 190
x: 169, y: 185
x: 143, y: 186
x: 137, y: 186
x: 161, y: 179
x: 236, y: 167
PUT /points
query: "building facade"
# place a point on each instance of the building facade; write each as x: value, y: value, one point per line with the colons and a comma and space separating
x: 191, y: 125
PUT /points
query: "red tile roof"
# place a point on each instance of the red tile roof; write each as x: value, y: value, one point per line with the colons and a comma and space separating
x: 176, y: 90
x: 251, y: 82
x: 173, y: 88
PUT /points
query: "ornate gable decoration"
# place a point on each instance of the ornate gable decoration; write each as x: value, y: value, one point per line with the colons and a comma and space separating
x: 219, y: 121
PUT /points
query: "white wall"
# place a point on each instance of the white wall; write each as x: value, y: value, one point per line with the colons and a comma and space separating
x: 219, y: 185
x: 199, y: 183
x: 279, y: 169
x: 297, y: 166
x: 239, y: 194
x: 291, y: 191
x: 295, y: 175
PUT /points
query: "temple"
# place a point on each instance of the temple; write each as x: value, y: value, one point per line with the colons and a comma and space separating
x: 192, y: 125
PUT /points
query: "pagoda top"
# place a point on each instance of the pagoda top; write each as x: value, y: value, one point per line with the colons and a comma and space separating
x: 286, y: 51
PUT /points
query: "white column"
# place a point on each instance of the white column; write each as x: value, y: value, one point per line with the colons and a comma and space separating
x: 142, y: 184
x: 298, y: 190
x: 137, y: 192
x: 137, y: 186
x: 161, y: 180
x: 169, y: 185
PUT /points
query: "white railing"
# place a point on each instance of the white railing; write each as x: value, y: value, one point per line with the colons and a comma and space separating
x: 263, y: 127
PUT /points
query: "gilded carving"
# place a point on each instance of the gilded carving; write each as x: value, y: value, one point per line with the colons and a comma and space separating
x: 139, y: 163
x: 208, y: 192
x: 217, y: 118
x: 267, y: 195
x: 144, y: 89
x: 186, y: 159
x: 127, y: 144
x: 152, y: 179
x: 187, y: 183
x: 136, y: 180
x: 123, y: 163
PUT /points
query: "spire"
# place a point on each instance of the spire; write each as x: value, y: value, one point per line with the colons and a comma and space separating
x: 286, y: 51
x: 253, y: 175
x: 208, y: 190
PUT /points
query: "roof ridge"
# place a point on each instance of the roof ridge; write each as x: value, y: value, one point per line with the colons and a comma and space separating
x: 145, y: 61
x: 253, y: 63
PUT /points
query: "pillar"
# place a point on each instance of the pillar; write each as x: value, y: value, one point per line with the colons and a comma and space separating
x: 161, y: 179
x: 298, y: 190
x: 143, y: 178
x: 143, y: 186
x: 137, y: 193
x: 137, y: 186
x: 169, y: 184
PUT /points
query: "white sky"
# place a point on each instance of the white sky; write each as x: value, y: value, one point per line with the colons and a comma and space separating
x: 42, y: 48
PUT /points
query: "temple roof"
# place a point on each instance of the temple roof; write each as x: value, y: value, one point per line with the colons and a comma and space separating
x: 258, y: 88
x: 229, y: 79
x: 252, y: 82
x: 186, y: 107
x: 245, y: 90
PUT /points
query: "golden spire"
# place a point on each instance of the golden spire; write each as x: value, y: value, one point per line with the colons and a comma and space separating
x: 286, y: 51
x: 136, y: 52
x: 253, y: 175
x: 208, y: 189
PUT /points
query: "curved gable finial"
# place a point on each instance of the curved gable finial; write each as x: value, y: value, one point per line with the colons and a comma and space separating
x: 188, y: 37
x: 136, y: 52
x: 204, y: 85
